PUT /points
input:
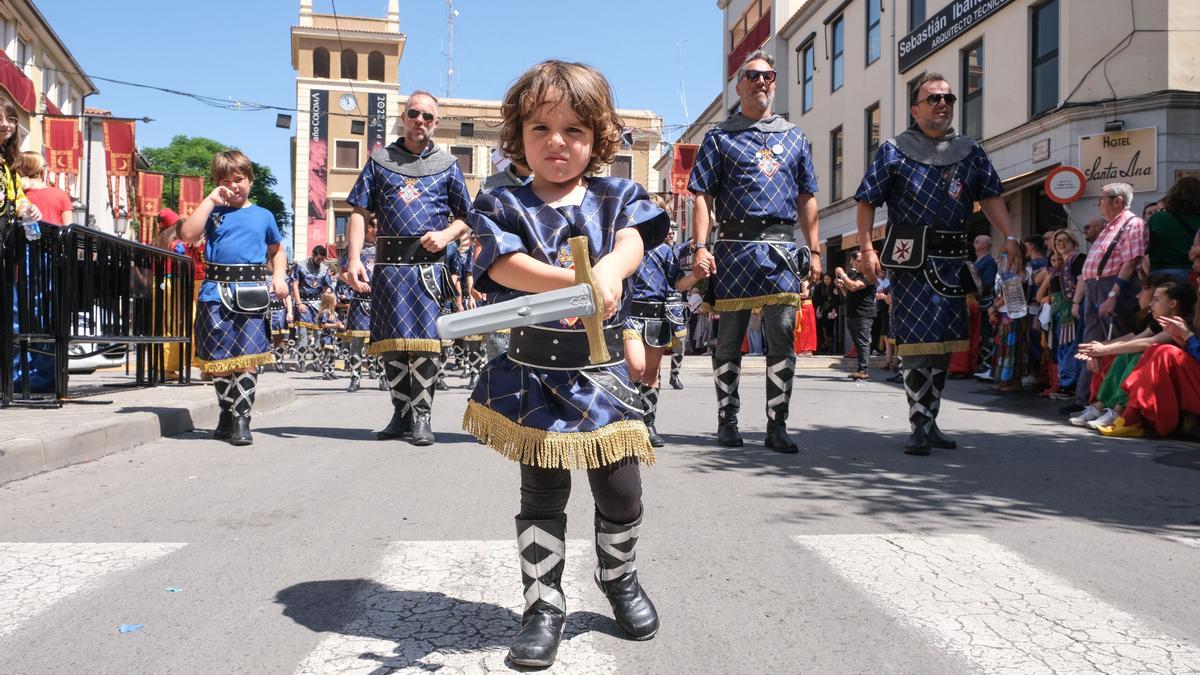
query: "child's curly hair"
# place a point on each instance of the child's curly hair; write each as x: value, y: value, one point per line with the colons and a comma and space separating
x: 583, y: 88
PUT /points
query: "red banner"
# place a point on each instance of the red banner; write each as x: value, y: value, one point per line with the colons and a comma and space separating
x: 683, y: 159
x: 149, y: 193
x: 191, y: 193
x: 119, y: 147
x: 63, y: 143
x: 19, y: 87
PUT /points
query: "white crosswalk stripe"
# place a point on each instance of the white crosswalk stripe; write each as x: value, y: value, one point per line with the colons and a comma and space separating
x: 453, y: 607
x: 35, y: 576
x: 985, y: 603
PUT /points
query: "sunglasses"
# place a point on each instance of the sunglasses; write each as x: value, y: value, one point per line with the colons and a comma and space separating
x: 934, y: 99
x: 767, y: 76
x: 413, y: 114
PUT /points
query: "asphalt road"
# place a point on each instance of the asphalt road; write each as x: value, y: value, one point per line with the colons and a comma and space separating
x: 1034, y: 547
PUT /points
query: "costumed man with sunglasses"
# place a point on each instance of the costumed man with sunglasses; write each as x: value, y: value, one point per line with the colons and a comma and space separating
x: 930, y: 178
x: 418, y: 196
x: 755, y: 171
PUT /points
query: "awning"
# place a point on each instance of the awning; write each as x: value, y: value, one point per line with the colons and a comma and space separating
x: 50, y: 107
x: 1028, y: 179
x: 19, y: 87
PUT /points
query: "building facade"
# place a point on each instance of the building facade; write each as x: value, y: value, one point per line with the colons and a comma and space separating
x: 1114, y: 95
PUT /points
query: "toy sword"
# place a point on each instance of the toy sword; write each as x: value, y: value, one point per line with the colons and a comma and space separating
x: 581, y: 300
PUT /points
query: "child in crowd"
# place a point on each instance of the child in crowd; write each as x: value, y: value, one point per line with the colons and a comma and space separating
x: 331, y: 324
x: 232, y: 334
x: 544, y: 404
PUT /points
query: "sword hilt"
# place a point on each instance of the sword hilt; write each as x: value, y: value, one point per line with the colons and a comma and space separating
x: 594, y: 324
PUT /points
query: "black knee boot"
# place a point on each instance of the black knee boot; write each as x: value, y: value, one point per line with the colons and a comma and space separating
x: 222, y: 386
x: 396, y: 372
x: 354, y: 363
x: 440, y: 377
x: 616, y: 575
x: 280, y: 352
x: 918, y: 388
x: 936, y: 438
x: 542, y: 545
x: 650, y: 406
x: 423, y: 374
x: 676, y: 364
x: 725, y: 376
x: 780, y: 370
x: 243, y: 388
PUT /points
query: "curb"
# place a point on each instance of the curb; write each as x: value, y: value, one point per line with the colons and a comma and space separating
x: 757, y: 364
x: 38, y: 453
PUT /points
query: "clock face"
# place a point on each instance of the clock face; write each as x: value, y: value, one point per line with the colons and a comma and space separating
x: 348, y: 102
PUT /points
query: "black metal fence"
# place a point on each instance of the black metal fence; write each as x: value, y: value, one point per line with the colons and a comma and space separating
x: 77, y: 286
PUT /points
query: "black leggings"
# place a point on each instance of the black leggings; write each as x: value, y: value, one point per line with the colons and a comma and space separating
x: 617, y: 489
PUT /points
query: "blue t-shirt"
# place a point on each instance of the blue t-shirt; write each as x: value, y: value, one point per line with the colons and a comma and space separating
x: 237, y: 237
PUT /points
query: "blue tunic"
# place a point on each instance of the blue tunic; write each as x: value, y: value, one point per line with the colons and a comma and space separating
x: 312, y: 281
x: 403, y: 314
x: 754, y: 175
x: 923, y: 321
x: 557, y: 418
x: 654, y: 280
x: 227, y: 340
x: 358, y: 320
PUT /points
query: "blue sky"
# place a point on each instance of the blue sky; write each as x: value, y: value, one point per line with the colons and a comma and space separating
x: 241, y: 51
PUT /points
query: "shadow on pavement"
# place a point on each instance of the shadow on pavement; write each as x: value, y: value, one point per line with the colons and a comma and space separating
x: 420, y: 623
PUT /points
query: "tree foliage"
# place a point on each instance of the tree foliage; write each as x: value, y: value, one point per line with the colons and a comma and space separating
x: 192, y: 156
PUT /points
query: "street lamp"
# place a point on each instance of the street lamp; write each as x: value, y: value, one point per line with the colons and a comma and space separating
x: 121, y: 224
x: 79, y: 212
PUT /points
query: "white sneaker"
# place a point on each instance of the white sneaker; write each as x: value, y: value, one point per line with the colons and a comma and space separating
x: 1105, y: 420
x: 1087, y: 415
x: 1028, y: 381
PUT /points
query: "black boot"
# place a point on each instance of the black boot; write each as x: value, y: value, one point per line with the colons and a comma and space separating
x: 936, y: 438
x: 354, y: 384
x: 223, y: 387
x: 224, y: 426
x: 675, y: 381
x: 243, y: 389
x: 676, y: 363
x: 918, y: 386
x: 542, y: 546
x: 423, y: 374
x: 441, y: 371
x: 725, y: 377
x: 616, y: 575
x: 780, y: 370
x: 396, y: 375
x: 650, y: 406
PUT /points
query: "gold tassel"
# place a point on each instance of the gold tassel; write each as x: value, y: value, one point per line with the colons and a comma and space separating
x: 428, y: 345
x: 473, y: 338
x: 630, y: 334
x: 931, y: 348
x: 346, y: 335
x: 555, y: 449
x: 235, y: 363
x: 308, y: 325
x: 738, y: 304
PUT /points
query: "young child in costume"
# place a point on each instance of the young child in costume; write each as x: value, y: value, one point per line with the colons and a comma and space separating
x: 331, y: 324
x: 232, y: 333
x: 657, y: 318
x: 542, y: 403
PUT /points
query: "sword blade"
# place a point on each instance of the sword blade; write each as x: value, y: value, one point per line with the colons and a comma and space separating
x: 526, y: 310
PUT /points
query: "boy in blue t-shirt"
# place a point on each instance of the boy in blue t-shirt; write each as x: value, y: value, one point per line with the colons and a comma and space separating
x: 232, y: 332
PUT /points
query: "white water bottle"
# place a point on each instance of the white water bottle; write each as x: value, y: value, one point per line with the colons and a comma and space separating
x: 33, y: 231
x: 1013, y: 292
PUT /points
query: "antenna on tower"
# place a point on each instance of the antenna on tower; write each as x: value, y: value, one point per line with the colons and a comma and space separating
x: 450, y: 14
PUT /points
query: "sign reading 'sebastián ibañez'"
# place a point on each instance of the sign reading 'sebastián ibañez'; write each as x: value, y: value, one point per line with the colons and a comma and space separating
x: 942, y: 28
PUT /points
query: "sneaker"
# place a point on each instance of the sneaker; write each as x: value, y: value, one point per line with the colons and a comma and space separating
x: 1070, y: 409
x: 984, y: 376
x: 1086, y: 415
x: 1105, y: 420
x: 1120, y: 429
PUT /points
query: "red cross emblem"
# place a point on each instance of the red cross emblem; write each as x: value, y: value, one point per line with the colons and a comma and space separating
x: 903, y: 250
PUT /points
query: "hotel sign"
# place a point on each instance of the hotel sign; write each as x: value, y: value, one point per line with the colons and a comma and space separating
x: 1121, y: 157
x: 943, y: 28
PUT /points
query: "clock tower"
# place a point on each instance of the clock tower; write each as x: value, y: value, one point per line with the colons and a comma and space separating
x: 347, y: 92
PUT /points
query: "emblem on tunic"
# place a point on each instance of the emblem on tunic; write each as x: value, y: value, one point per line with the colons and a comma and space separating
x: 217, y: 218
x: 767, y: 162
x: 565, y: 259
x: 956, y: 187
x: 902, y: 250
x: 409, y: 192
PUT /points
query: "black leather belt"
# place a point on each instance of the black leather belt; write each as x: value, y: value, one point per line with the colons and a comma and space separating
x: 653, y: 309
x: 750, y: 229
x: 404, y: 251
x: 947, y: 244
x: 553, y: 349
x: 232, y: 274
x: 355, y: 295
x: 276, y: 306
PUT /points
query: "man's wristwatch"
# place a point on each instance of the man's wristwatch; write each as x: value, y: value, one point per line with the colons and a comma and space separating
x: 698, y: 245
x: 1113, y: 293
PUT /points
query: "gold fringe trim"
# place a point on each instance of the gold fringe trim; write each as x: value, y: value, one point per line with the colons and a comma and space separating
x: 429, y: 345
x: 354, y: 334
x: 503, y: 331
x: 738, y: 304
x: 306, y: 324
x: 930, y: 348
x: 630, y: 334
x: 473, y: 338
x: 235, y: 363
x: 555, y: 449
x: 677, y: 341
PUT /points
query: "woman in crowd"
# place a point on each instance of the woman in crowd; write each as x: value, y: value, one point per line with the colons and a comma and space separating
x: 1174, y: 228
x: 53, y: 202
x: 826, y: 298
x: 1009, y: 356
x: 805, y: 335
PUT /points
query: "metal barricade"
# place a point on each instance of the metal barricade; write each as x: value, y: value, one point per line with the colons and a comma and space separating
x: 76, y: 286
